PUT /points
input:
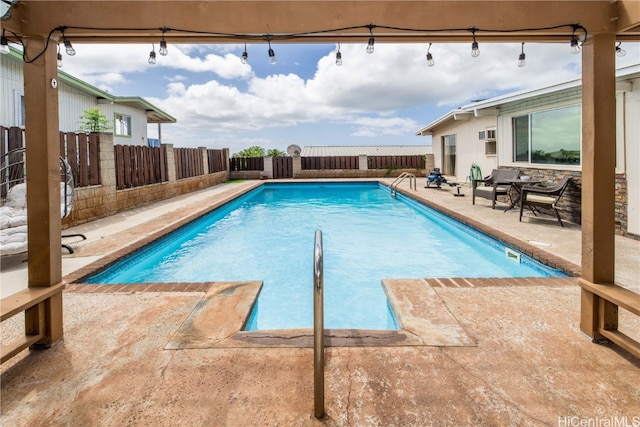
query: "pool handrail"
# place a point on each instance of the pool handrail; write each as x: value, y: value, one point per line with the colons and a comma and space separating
x: 318, y: 326
x: 394, y: 185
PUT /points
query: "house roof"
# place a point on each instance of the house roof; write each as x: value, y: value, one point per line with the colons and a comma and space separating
x: 472, y: 109
x: 154, y: 114
x: 369, y: 150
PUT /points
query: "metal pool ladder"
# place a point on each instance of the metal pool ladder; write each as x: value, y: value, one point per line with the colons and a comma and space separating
x: 318, y: 326
x: 394, y: 185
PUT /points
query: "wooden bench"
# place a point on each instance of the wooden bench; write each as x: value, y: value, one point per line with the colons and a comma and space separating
x: 32, y: 301
x: 606, y: 318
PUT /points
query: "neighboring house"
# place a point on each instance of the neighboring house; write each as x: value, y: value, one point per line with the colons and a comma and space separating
x: 374, y: 150
x: 539, y: 132
x: 129, y: 116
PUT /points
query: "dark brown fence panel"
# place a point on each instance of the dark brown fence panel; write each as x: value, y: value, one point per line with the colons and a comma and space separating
x: 139, y: 165
x: 82, y: 153
x: 94, y: 159
x: 282, y: 167
x: 188, y: 162
x: 399, y: 162
x: 246, y: 163
x: 217, y: 160
x: 333, y: 162
x: 119, y: 163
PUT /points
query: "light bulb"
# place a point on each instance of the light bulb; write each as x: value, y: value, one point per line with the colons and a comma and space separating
x: 521, y: 60
x: 338, y: 58
x: 521, y: 57
x: 152, y: 57
x: 575, y: 47
x: 4, y: 45
x: 620, y: 52
x: 59, y: 60
x: 163, y: 48
x: 245, y: 57
x: 430, y: 61
x: 370, y: 47
x: 69, y: 48
x: 272, y: 57
x: 475, y: 52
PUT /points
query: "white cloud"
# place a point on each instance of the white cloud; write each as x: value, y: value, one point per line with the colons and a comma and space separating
x: 369, y: 94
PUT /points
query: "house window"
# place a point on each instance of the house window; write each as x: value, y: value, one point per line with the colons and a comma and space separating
x: 548, y: 137
x: 122, y: 125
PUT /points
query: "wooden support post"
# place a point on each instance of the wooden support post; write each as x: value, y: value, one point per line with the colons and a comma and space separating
x: 43, y: 183
x: 598, y: 178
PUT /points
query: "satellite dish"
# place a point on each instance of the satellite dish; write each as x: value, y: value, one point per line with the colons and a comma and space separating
x: 294, y: 150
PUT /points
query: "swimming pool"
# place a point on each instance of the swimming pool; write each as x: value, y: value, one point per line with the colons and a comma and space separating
x: 267, y: 234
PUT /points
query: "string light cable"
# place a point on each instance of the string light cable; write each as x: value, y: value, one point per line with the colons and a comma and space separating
x: 576, y: 42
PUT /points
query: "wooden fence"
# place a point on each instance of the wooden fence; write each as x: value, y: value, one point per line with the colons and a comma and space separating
x: 80, y: 150
x: 217, y: 160
x: 318, y: 163
x: 189, y: 162
x: 398, y: 162
x: 137, y: 165
x: 246, y: 164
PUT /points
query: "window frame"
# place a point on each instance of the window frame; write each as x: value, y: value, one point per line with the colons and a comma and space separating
x: 529, y: 123
x: 116, y: 127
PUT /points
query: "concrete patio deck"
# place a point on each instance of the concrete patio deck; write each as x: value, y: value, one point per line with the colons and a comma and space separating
x: 523, y: 360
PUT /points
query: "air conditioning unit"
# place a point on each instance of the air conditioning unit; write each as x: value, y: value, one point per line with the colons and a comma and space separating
x: 487, y: 135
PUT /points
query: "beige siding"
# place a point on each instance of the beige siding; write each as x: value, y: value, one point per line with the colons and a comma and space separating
x: 75, y: 102
x: 11, y: 82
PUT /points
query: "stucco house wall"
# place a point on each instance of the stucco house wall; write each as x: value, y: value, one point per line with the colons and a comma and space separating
x: 469, y: 148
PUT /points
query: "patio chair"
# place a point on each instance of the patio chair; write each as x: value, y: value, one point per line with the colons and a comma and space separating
x: 544, y: 197
x: 494, y: 185
x: 13, y: 201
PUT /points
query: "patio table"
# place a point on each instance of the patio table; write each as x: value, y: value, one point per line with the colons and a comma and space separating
x: 517, y: 184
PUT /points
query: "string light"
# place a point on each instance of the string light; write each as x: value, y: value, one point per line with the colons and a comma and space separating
x: 272, y: 55
x: 521, y: 57
x: 163, y: 45
x: 338, y: 56
x: 475, y: 52
x: 4, y: 44
x: 152, y: 55
x: 372, y: 40
x: 59, y: 57
x: 620, y: 52
x: 575, y: 46
x: 67, y: 45
x: 245, y: 56
x: 430, y: 61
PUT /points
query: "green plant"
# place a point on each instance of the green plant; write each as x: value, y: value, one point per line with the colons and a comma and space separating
x: 254, y: 151
x: 92, y: 120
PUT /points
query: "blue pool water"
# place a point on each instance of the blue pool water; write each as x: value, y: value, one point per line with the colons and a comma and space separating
x: 268, y: 234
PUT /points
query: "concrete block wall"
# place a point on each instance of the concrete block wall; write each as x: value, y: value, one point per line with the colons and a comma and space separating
x: 99, y: 201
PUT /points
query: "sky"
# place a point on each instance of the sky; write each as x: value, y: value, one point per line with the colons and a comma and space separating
x: 381, y: 98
